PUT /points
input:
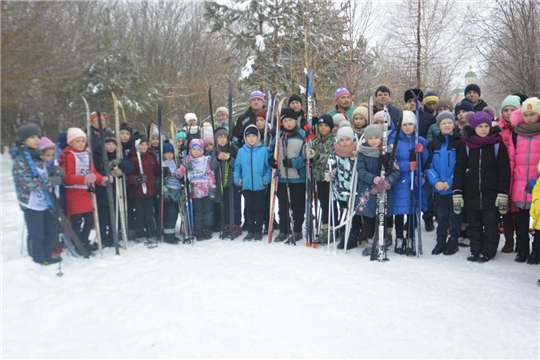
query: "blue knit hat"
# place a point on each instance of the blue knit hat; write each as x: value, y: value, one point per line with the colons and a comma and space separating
x: 61, y: 140
x: 181, y: 135
x: 167, y: 147
x: 464, y: 104
x: 472, y: 87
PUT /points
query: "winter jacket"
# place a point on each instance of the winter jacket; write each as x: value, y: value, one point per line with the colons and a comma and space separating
x: 442, y: 151
x: 506, y: 132
x: 150, y: 167
x: 401, y: 191
x: 480, y: 105
x: 348, y: 112
x: 201, y: 178
x: 293, y: 142
x: 171, y: 190
x: 224, y: 170
x: 344, y: 167
x: 481, y: 173
x: 252, y: 168
x: 433, y: 132
x: 524, y: 156
x: 426, y: 121
x: 368, y: 168
x: 101, y: 191
x: 323, y: 148
x: 535, y: 206
x: 76, y: 166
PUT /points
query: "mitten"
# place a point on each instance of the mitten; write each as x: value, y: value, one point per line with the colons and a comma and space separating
x: 55, y: 181
x: 116, y: 172
x: 310, y: 153
x: 458, y: 203
x: 105, y: 180
x: 287, y: 163
x: 272, y: 162
x: 58, y: 171
x: 530, y: 186
x: 189, y: 166
x: 89, y: 178
x: 502, y: 203
x: 419, y: 148
x: 141, y: 179
x: 114, y: 163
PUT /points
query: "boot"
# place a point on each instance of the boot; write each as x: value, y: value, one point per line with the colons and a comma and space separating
x: 409, y: 247
x: 399, y: 246
x: 322, y: 238
x: 199, y: 235
x: 534, y: 258
x: 341, y: 244
x: 508, y: 231
x: 388, y: 240
x: 428, y: 222
x: 523, y: 253
x: 237, y: 230
x: 353, y: 241
x: 207, y: 234
x: 280, y: 237
x: 451, y: 247
x: 439, y: 246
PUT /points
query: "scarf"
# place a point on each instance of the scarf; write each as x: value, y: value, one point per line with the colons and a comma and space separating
x: 476, y: 142
x: 369, y: 151
x: 528, y: 130
x: 345, y: 152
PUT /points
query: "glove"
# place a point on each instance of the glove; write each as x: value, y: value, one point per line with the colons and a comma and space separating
x: 272, y: 162
x: 106, y: 180
x: 329, y: 176
x: 382, y: 184
x: 530, y: 186
x: 55, y: 181
x: 412, y: 165
x: 116, y: 172
x: 166, y: 173
x: 502, y: 203
x: 310, y: 153
x: 458, y: 203
x: 212, y: 194
x: 419, y: 148
x: 58, y: 171
x: 141, y: 179
x: 189, y: 166
x: 114, y: 163
x: 287, y: 163
x: 89, y: 178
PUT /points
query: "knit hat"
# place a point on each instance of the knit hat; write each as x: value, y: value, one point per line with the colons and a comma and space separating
x: 45, y: 143
x: 294, y: 97
x: 373, y: 130
x: 221, y: 131
x: 522, y: 97
x: 531, y: 104
x: 126, y: 126
x: 408, y: 117
x: 326, y: 119
x: 110, y: 137
x: 379, y: 116
x: 511, y: 100
x: 338, y: 118
x: 257, y: 94
x: 362, y: 111
x: 251, y: 129
x: 93, y: 116
x: 443, y: 102
x: 345, y: 130
x: 196, y: 144
x: 464, y: 104
x: 168, y: 147
x: 341, y: 91
x: 409, y: 95
x: 222, y: 109
x: 74, y: 133
x: 468, y: 116
x: 25, y: 131
x: 445, y: 115
x: 61, y: 140
x: 261, y: 113
x: 190, y: 116
x: 472, y: 87
x: 481, y: 117
x: 288, y: 113
x: 384, y: 89
x: 431, y: 96
x: 181, y: 134
x: 155, y: 130
x: 141, y: 137
x: 208, y: 140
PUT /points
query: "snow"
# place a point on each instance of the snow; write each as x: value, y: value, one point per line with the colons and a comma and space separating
x: 229, y: 299
x: 247, y: 69
x: 259, y: 43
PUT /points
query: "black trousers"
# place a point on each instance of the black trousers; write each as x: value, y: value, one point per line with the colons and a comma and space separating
x: 400, y: 226
x: 483, y: 232
x: 105, y: 225
x: 82, y: 224
x: 42, y: 234
x: 203, y: 213
x: 323, y: 194
x: 254, y: 210
x: 298, y: 199
x: 144, y: 217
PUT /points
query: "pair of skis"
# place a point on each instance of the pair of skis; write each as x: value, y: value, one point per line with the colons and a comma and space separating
x: 310, y: 135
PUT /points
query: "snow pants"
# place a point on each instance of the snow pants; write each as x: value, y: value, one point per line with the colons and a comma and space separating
x: 237, y: 205
x: 144, y: 217
x: 298, y: 203
x: 483, y: 232
x: 82, y: 224
x: 170, y: 215
x: 203, y: 213
x: 42, y: 234
x: 445, y: 212
x: 254, y: 210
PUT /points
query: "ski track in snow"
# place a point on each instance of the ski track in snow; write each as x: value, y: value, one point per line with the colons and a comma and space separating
x: 229, y: 299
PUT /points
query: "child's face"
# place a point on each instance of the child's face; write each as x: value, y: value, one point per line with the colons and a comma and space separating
x: 125, y: 136
x: 461, y: 116
x: 168, y: 156
x: 209, y: 147
x: 48, y: 155
x: 192, y: 122
x: 473, y: 96
x: 442, y: 108
x: 289, y: 123
x: 407, y: 129
x: 155, y: 141
x: 324, y: 129
x: 345, y: 141
x: 260, y: 122
x: 530, y: 117
x: 251, y: 139
x: 446, y: 126
x: 180, y: 142
x: 359, y: 121
x: 221, y: 117
x: 32, y: 142
x: 374, y: 141
x: 143, y: 147
x: 78, y: 143
x: 110, y: 146
x: 222, y: 140
x: 507, y: 111
x: 295, y: 105
x: 196, y: 152
x: 482, y: 130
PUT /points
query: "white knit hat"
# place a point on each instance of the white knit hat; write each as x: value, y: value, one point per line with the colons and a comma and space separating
x: 345, y: 130
x: 408, y: 118
x: 74, y: 133
x: 190, y: 116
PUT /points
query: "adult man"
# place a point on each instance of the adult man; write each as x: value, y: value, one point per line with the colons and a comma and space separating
x: 343, y: 100
x: 472, y: 92
x: 256, y: 103
x: 426, y: 119
x: 295, y: 103
x: 94, y: 130
x: 430, y: 100
x: 382, y: 98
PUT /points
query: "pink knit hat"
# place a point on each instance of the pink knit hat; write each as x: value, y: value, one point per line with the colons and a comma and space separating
x: 341, y: 91
x: 207, y: 140
x: 45, y: 143
x: 74, y: 133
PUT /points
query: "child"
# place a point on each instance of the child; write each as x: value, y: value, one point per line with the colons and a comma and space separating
x: 79, y: 177
x: 203, y: 188
x: 463, y: 107
x: 181, y: 137
x: 292, y: 180
x: 47, y: 148
x: 535, y: 214
x: 126, y: 138
x: 208, y: 142
x: 171, y: 194
x: 441, y: 176
x: 192, y: 129
x: 138, y: 181
x: 440, y: 106
x: 222, y: 117
x: 481, y: 183
x: 401, y: 191
x: 223, y: 160
x: 370, y: 183
x: 252, y: 173
x: 265, y: 133
x: 360, y: 115
x: 42, y: 231
x: 338, y: 119
x: 524, y: 153
x: 322, y: 147
x: 126, y: 141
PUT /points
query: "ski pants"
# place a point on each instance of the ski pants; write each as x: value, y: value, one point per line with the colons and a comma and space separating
x: 399, y: 222
x: 522, y: 229
x: 105, y: 225
x: 323, y: 193
x: 203, y: 213
x: 42, y: 234
x: 170, y: 215
x: 430, y: 213
x: 237, y: 205
x: 254, y: 208
x: 483, y: 232
x: 82, y: 224
x: 356, y: 222
x: 297, y: 204
x: 445, y: 212
x: 144, y: 217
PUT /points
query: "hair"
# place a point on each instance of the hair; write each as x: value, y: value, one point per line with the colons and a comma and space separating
x: 383, y: 88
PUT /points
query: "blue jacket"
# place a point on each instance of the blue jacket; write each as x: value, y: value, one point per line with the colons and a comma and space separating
x: 295, y: 151
x: 402, y: 188
x: 442, y: 150
x: 252, y: 168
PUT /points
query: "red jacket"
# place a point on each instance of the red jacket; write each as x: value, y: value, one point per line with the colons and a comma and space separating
x: 77, y: 196
x: 151, y: 168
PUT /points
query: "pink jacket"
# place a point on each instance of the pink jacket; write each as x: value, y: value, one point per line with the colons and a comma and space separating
x: 524, y: 157
x: 507, y: 129
x: 201, y: 177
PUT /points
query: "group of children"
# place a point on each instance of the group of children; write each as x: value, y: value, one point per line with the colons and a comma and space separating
x: 478, y: 169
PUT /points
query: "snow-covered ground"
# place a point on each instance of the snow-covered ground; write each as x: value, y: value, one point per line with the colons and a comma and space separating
x: 229, y: 299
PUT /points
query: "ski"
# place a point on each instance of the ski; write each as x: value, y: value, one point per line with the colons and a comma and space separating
x: 212, y: 118
x: 120, y: 184
x: 310, y: 135
x: 418, y: 203
x: 159, y: 230
x: 231, y: 190
x: 370, y: 111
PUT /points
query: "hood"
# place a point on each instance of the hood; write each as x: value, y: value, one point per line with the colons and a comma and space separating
x: 516, y: 118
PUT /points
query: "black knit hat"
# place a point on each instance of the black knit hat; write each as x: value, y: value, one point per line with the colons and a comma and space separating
x: 288, y: 113
x: 326, y: 119
x: 294, y: 97
x: 110, y: 137
x: 472, y: 87
x: 25, y: 131
x: 126, y: 126
x: 522, y: 97
x: 409, y: 95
